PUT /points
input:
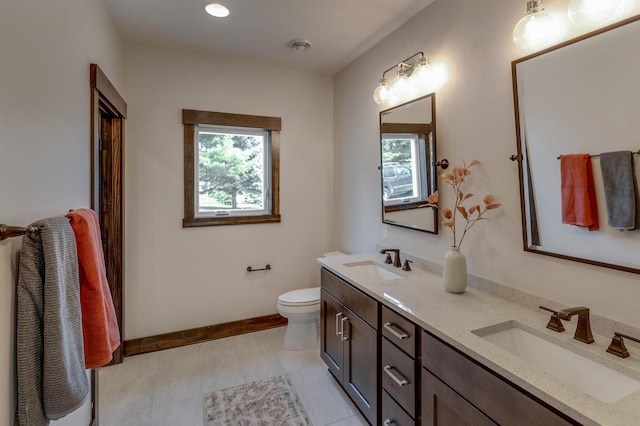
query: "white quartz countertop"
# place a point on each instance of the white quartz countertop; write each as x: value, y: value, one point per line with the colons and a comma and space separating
x: 419, y: 296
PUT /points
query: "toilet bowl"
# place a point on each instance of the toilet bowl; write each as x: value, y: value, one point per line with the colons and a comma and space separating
x: 302, y: 310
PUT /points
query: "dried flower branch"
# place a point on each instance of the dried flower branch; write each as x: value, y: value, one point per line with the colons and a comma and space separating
x: 473, y: 214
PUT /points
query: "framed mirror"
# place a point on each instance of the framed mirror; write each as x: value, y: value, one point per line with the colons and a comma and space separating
x: 579, y: 97
x: 408, y: 170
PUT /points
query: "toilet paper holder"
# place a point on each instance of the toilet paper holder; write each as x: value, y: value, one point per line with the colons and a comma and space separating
x: 266, y: 268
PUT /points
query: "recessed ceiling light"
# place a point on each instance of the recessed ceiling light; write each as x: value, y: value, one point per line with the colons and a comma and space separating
x: 217, y: 10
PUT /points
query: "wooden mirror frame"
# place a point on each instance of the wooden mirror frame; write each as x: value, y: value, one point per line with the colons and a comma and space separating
x: 431, y: 184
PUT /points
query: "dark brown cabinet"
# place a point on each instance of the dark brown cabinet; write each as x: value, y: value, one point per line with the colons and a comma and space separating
x: 393, y: 413
x: 476, y: 388
x: 400, y: 370
x: 349, y: 344
x: 441, y: 406
x: 398, y: 374
x: 332, y: 344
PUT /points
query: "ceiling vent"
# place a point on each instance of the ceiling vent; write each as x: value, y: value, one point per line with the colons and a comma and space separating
x: 299, y: 44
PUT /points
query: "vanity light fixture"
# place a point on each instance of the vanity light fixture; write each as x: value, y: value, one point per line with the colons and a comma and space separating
x: 535, y: 29
x: 415, y: 77
x: 217, y: 10
x: 591, y: 11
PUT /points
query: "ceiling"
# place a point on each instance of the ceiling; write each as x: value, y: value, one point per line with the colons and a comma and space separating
x: 339, y: 30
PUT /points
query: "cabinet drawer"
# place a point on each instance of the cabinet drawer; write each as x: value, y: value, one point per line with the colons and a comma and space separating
x: 393, y: 414
x: 399, y: 330
x: 399, y: 376
x: 361, y: 304
x: 498, y: 398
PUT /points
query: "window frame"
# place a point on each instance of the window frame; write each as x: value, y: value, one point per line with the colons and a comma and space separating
x: 418, y: 172
x: 191, y: 119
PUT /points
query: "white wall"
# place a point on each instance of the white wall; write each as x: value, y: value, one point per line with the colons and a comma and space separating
x: 475, y: 120
x: 177, y: 278
x: 46, y: 49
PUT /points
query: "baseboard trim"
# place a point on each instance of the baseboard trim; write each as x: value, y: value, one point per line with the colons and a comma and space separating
x: 201, y: 334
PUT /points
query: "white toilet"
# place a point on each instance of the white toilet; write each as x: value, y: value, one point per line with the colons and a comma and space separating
x: 302, y: 309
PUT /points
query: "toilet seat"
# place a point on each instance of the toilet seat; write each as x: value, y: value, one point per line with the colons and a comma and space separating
x: 300, y: 297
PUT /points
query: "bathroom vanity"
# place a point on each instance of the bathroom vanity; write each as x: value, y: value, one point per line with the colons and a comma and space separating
x: 408, y: 353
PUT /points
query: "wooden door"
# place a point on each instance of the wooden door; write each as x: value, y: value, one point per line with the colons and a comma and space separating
x: 360, y: 378
x: 110, y: 210
x: 441, y: 406
x: 108, y: 112
x: 331, y: 346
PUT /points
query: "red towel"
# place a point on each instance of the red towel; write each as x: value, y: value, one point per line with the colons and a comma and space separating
x: 99, y: 323
x: 579, y: 205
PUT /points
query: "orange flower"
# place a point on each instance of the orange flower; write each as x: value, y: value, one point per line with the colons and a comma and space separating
x: 474, y: 214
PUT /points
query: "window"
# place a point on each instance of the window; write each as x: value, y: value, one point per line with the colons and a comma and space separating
x: 231, y: 168
x: 403, y: 173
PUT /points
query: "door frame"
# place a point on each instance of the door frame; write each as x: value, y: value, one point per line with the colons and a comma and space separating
x: 105, y: 97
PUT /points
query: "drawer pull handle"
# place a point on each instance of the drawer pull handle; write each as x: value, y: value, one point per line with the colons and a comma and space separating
x: 388, y: 422
x: 402, y: 335
x: 401, y: 382
x: 338, y: 332
x: 344, y: 335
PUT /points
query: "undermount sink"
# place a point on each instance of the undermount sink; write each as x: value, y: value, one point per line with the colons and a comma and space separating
x: 370, y: 270
x: 573, y: 369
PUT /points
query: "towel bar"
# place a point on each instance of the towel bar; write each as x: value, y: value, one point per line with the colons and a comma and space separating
x: 598, y: 155
x: 7, y: 231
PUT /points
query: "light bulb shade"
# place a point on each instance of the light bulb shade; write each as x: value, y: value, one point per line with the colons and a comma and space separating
x: 401, y: 87
x: 591, y: 11
x: 422, y: 77
x: 533, y: 31
x: 381, y: 94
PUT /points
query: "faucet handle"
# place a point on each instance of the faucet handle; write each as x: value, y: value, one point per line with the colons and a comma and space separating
x: 406, y: 266
x: 554, y: 323
x: 617, y: 346
x: 388, y: 259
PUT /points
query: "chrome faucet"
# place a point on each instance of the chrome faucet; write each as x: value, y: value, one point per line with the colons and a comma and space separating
x: 583, y: 330
x: 397, y: 263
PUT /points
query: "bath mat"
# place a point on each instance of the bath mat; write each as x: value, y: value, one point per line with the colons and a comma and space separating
x: 267, y: 402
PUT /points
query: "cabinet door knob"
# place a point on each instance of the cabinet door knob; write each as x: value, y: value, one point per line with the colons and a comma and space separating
x: 388, y: 422
x: 400, y: 381
x: 338, y: 315
x: 345, y: 336
x: 400, y: 335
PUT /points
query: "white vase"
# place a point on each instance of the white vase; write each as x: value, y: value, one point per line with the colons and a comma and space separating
x: 454, y: 272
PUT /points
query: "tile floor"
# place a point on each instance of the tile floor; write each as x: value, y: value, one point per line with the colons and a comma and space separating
x: 166, y: 388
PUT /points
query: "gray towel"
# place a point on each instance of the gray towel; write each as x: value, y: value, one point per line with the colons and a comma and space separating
x: 620, y: 189
x: 52, y: 381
